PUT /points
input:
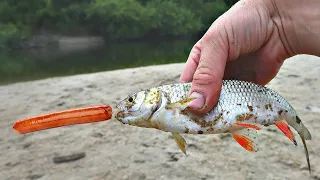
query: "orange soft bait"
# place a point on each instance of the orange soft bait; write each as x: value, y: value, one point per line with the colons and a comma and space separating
x: 63, y: 118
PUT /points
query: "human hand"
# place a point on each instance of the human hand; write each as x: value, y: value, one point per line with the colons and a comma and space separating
x: 249, y: 42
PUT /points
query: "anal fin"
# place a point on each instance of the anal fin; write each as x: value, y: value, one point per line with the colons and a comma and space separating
x: 284, y: 127
x: 247, y: 138
x: 181, y: 142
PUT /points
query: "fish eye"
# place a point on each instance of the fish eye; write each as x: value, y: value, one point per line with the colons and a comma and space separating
x: 131, y: 99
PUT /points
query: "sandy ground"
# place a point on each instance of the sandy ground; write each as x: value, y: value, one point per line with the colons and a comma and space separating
x: 116, y: 151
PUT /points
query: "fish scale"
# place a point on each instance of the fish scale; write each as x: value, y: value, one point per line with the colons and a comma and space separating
x: 236, y: 97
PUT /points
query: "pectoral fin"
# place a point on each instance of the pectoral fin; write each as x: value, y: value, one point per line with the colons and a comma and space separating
x: 180, y: 141
x: 247, y: 138
x: 181, y: 105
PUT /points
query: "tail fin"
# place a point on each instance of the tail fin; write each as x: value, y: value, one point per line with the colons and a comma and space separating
x: 306, y: 152
x: 305, y: 135
x: 305, y: 131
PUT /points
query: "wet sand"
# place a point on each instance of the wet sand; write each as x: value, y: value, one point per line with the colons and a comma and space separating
x: 110, y: 150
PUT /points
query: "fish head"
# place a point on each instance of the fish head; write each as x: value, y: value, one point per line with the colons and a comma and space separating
x: 137, y: 108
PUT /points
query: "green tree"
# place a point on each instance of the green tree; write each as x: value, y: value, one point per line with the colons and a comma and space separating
x: 169, y: 18
x: 117, y: 19
x: 113, y: 19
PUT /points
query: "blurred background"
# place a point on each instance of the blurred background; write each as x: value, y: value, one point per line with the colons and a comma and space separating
x: 47, y: 38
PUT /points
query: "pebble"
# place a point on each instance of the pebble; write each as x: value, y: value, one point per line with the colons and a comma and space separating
x: 68, y: 158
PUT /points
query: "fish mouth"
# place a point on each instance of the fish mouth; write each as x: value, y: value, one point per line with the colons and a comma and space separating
x: 121, y: 114
x: 120, y: 117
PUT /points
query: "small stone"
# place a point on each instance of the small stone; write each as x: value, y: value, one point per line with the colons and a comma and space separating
x: 92, y: 86
x: 26, y: 145
x: 10, y: 164
x: 145, y: 145
x: 61, y: 104
x: 68, y: 158
x: 97, y: 135
x: 293, y: 75
x: 139, y: 161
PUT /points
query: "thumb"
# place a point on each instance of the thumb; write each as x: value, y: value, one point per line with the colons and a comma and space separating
x: 207, y: 79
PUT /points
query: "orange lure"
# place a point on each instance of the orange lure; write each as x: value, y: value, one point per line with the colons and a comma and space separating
x: 63, y: 118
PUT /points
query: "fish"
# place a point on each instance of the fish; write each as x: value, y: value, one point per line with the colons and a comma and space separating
x: 243, y: 108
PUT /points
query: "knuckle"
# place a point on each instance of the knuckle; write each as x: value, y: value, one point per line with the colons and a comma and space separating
x: 195, y: 54
x: 218, y: 44
x: 205, y: 76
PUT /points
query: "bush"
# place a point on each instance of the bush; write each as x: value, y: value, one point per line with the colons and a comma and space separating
x: 117, y: 19
x: 169, y: 18
x: 130, y: 19
x: 10, y: 36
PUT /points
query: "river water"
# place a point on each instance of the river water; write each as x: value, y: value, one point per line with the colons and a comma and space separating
x: 78, y: 58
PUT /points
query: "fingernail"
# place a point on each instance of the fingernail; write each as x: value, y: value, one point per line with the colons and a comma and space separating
x: 199, y: 102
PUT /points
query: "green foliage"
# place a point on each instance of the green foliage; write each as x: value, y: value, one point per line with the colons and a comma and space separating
x: 113, y: 19
x: 206, y: 10
x: 169, y: 18
x: 130, y: 19
x: 10, y: 36
x: 211, y: 11
x: 118, y: 19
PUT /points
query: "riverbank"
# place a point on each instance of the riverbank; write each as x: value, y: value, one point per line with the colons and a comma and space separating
x: 110, y: 150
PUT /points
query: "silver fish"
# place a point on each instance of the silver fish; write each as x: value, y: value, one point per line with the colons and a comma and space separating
x: 242, y: 109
